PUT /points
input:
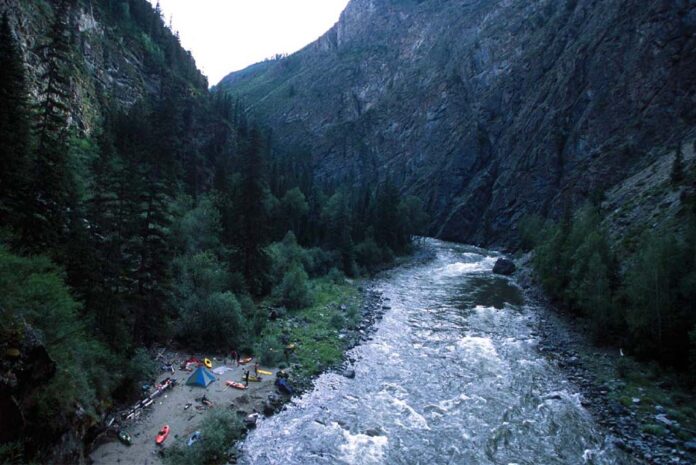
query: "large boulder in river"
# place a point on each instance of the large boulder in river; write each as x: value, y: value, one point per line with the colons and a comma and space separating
x: 504, y: 266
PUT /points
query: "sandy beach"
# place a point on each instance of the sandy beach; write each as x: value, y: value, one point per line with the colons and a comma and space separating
x: 169, y: 409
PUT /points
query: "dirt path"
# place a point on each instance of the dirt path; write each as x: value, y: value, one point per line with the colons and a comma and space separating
x: 169, y: 409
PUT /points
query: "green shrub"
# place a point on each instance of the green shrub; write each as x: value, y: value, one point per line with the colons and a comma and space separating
x: 210, y: 316
x: 315, y: 261
x: 213, y: 322
x: 269, y: 351
x: 336, y: 276
x: 371, y: 256
x: 293, y: 291
x: 220, y: 429
x: 338, y: 321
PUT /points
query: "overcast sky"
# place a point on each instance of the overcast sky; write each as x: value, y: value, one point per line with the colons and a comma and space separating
x: 229, y: 35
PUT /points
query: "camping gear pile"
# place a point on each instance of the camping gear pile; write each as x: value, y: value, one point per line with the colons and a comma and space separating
x: 137, y: 409
x: 190, y: 364
x: 282, y: 383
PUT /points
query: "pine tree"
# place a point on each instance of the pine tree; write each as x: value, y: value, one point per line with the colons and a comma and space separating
x: 14, y: 127
x: 253, y: 216
x: 53, y: 185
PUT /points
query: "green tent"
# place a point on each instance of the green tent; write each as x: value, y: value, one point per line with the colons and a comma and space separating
x: 201, y: 377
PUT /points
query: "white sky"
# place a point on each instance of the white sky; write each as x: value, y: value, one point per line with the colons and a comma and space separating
x: 229, y: 35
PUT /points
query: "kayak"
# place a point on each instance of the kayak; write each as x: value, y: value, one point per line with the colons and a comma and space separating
x: 125, y: 438
x: 245, y: 360
x: 162, y: 435
x: 264, y: 372
x: 255, y: 379
x: 235, y: 385
x: 207, y: 363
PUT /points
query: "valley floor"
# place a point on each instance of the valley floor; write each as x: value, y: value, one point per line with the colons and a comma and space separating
x: 169, y: 409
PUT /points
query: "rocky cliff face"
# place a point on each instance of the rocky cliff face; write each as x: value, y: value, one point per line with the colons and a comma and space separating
x: 116, y: 62
x: 486, y: 109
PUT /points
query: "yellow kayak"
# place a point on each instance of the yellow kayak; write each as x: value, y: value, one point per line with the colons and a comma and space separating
x: 207, y: 362
x: 264, y: 372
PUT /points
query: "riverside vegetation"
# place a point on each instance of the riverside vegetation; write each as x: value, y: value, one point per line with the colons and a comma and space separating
x: 636, y: 294
x: 640, y: 295
x: 173, y: 218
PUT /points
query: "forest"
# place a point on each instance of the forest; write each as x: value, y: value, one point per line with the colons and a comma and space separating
x: 174, y: 220
x: 639, y: 295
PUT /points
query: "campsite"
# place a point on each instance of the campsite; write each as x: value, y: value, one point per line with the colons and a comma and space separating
x: 170, y: 408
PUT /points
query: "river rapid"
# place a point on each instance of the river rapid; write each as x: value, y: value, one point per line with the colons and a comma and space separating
x: 452, y: 375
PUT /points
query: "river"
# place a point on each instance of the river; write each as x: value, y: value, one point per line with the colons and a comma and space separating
x: 452, y: 375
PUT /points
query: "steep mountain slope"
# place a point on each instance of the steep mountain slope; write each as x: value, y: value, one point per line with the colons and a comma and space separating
x: 123, y: 54
x: 486, y: 109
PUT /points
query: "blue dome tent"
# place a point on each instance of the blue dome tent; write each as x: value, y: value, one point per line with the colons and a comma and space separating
x: 201, y: 377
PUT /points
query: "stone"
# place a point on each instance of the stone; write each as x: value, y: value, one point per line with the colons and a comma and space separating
x: 662, y: 418
x: 349, y: 373
x: 504, y: 266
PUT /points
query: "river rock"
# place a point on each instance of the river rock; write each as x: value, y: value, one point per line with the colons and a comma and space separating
x: 268, y: 409
x: 349, y: 373
x: 504, y: 266
x: 662, y: 418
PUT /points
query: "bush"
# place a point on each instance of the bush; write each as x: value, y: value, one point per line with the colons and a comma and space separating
x: 338, y: 322
x: 269, y: 351
x: 336, y: 276
x: 293, y: 291
x: 370, y: 256
x: 213, y: 322
x: 210, y: 315
x: 315, y: 261
x: 220, y: 429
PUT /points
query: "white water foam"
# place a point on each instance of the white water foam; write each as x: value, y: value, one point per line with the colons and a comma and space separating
x: 361, y: 449
x: 460, y: 268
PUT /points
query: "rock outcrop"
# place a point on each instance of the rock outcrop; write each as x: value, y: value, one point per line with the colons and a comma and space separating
x: 504, y: 266
x: 488, y: 110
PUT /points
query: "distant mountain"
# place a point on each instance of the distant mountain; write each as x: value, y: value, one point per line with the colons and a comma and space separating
x: 488, y: 110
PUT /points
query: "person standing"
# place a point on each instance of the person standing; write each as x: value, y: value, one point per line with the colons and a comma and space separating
x: 246, y: 378
x: 256, y: 369
x: 235, y: 357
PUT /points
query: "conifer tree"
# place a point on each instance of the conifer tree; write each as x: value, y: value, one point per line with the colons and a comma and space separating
x: 253, y: 214
x: 14, y: 126
x: 53, y: 185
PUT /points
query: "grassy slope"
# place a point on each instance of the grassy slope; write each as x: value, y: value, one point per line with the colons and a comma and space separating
x: 317, y: 331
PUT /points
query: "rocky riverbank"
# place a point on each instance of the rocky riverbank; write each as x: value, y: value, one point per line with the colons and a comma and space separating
x: 644, y: 410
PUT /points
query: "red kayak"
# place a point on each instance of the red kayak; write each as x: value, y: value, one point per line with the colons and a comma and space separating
x: 235, y: 385
x: 162, y: 435
x: 245, y: 360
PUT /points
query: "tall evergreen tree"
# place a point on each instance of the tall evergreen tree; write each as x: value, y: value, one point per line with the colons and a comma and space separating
x: 253, y: 216
x: 53, y: 184
x: 14, y: 126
